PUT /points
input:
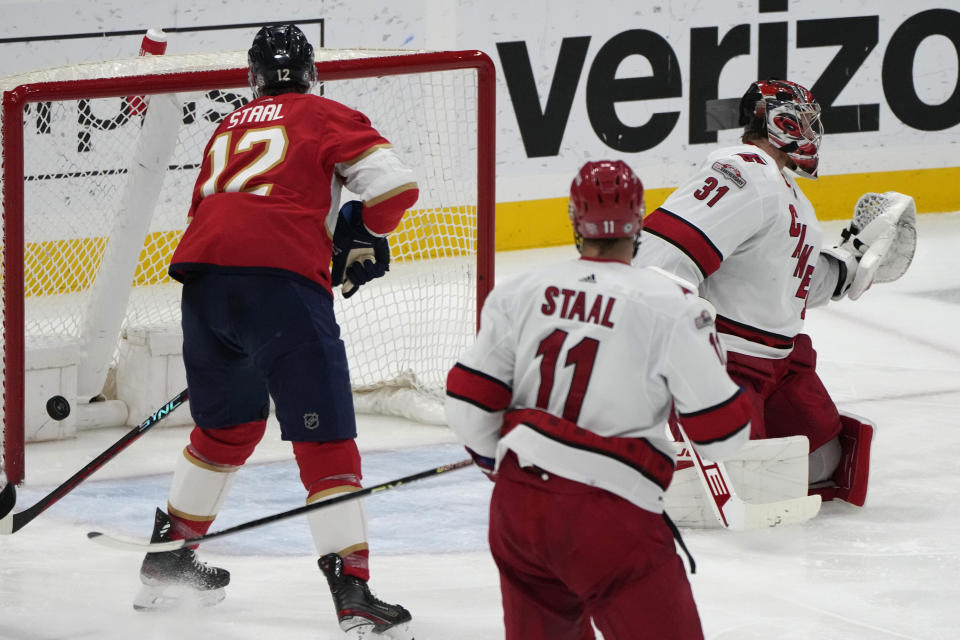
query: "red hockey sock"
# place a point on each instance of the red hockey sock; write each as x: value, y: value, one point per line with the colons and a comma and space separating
x: 328, y: 464
x: 182, y: 527
x: 326, y: 469
x: 229, y: 445
x: 357, y: 564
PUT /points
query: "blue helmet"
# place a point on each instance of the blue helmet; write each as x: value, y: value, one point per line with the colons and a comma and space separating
x: 280, y: 61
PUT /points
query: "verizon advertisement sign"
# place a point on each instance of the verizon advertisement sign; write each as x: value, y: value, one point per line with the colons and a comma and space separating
x: 658, y: 86
x: 655, y: 83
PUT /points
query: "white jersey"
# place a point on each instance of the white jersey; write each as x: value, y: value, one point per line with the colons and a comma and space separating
x: 744, y: 232
x: 608, y: 349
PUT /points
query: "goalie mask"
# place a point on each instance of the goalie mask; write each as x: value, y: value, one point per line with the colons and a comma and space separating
x: 606, y: 201
x: 280, y: 61
x: 789, y: 116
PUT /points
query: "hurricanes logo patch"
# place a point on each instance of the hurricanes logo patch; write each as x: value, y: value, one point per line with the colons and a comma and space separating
x: 311, y: 421
x: 730, y: 172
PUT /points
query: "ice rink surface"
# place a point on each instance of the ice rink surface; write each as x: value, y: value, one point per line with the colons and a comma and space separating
x: 888, y: 570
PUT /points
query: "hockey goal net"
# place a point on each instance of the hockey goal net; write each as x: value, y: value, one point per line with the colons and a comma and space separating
x: 99, y: 162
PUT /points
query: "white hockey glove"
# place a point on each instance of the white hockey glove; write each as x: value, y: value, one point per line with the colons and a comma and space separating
x: 882, y: 238
x: 358, y: 255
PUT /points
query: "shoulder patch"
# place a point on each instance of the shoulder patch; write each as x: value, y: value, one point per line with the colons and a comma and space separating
x: 703, y: 320
x: 731, y: 173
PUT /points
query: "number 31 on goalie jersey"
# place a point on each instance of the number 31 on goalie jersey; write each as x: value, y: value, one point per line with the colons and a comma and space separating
x: 273, y: 142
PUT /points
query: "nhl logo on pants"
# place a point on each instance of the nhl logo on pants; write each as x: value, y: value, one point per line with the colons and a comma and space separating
x: 311, y: 421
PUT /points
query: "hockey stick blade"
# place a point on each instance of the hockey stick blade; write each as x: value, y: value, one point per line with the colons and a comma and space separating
x: 153, y: 547
x: 18, y: 520
x: 737, y: 515
x: 744, y: 515
x: 8, y: 499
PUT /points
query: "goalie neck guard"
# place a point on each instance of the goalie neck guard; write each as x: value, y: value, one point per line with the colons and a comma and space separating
x: 789, y: 116
x: 280, y: 61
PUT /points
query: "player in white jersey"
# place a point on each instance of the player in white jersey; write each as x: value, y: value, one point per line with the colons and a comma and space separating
x: 743, y: 231
x: 563, y: 400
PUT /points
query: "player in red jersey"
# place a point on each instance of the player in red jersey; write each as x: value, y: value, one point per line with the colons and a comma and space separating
x: 563, y: 399
x: 743, y: 232
x: 258, y: 319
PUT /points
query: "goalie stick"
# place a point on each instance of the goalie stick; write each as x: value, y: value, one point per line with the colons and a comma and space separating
x: 8, y: 496
x: 738, y: 515
x: 153, y: 547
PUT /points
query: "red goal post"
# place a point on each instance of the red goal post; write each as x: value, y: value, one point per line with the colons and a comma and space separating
x: 65, y: 195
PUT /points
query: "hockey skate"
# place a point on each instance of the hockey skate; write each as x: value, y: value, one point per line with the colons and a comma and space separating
x: 174, y: 578
x: 361, y: 614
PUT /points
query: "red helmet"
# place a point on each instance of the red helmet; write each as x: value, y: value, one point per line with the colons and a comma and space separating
x: 606, y: 201
x: 789, y: 115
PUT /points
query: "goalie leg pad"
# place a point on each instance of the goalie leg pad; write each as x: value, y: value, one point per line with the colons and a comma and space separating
x: 849, y: 480
x: 769, y: 470
x: 853, y: 472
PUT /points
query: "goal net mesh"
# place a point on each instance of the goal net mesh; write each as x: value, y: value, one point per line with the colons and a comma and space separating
x: 78, y: 155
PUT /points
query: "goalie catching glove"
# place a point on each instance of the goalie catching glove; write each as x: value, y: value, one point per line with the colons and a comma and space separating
x: 359, y: 256
x: 879, y: 243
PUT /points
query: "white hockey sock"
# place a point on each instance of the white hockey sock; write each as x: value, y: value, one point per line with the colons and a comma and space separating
x: 199, y: 488
x: 340, y: 529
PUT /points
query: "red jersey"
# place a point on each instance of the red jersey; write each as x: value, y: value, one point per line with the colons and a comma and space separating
x: 268, y: 193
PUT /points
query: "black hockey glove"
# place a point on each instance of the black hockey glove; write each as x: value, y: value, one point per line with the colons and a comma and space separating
x: 358, y: 255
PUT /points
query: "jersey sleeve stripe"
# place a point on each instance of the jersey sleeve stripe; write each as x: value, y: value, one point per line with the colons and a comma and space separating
x: 637, y: 453
x: 718, y: 422
x: 685, y: 237
x: 478, y: 388
x: 367, y: 152
x: 382, y: 215
x: 752, y: 334
x: 409, y: 186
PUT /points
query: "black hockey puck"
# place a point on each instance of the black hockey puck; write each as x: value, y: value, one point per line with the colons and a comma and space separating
x: 58, y: 408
